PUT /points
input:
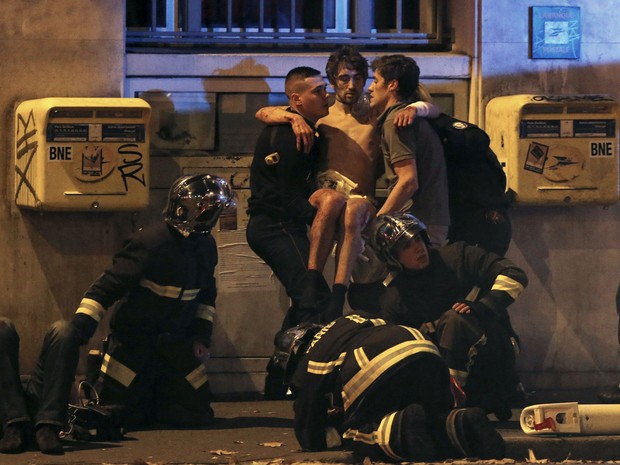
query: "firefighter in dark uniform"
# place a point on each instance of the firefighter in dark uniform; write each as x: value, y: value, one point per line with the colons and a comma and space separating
x: 381, y: 390
x: 458, y: 294
x: 161, y: 331
x: 164, y: 281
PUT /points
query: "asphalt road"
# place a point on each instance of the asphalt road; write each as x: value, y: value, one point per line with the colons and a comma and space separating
x: 260, y: 433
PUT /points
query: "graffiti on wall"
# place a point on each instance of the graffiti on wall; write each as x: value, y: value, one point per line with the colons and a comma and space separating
x: 132, y: 164
x: 26, y: 146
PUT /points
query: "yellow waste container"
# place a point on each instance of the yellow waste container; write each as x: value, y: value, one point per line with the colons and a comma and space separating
x: 82, y: 154
x: 556, y: 150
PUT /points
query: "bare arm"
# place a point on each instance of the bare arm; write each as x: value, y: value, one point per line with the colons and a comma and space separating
x: 405, y: 187
x: 420, y: 109
x: 279, y: 115
x: 274, y: 115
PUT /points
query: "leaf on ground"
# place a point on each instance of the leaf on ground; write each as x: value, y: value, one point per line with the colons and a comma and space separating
x: 270, y: 462
x: 271, y: 444
x: 223, y: 452
x: 532, y: 458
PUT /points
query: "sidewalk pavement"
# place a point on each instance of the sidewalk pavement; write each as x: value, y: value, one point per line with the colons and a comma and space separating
x: 260, y: 432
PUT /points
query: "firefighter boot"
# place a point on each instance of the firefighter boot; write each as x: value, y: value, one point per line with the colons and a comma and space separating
x: 471, y: 434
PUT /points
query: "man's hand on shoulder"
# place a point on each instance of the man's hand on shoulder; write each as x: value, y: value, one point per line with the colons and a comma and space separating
x: 405, y: 117
x: 280, y: 115
x: 414, y: 110
x: 303, y: 133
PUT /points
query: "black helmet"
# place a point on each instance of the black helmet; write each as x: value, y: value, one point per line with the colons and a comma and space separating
x: 393, y: 230
x: 195, y: 203
x: 291, y: 345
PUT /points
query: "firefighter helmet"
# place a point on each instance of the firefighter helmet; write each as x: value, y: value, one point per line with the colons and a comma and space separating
x: 291, y: 345
x: 391, y: 232
x: 195, y: 203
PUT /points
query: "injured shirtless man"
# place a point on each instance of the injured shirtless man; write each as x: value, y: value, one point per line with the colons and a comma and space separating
x: 350, y: 163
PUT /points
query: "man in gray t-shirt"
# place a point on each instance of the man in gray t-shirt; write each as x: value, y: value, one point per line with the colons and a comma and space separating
x: 414, y: 161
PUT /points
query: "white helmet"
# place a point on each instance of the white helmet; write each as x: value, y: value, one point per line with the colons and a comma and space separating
x: 195, y: 203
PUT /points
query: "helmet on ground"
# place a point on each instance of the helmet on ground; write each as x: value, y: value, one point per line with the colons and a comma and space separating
x: 291, y: 345
x: 195, y: 203
x: 392, y: 231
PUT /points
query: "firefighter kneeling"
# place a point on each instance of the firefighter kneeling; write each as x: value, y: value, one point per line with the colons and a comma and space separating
x: 382, y: 390
x: 458, y: 295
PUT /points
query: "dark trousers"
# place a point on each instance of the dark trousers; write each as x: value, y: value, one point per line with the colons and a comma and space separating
x: 285, y: 247
x: 156, y: 379
x: 423, y: 381
x: 44, y: 397
x: 485, y: 350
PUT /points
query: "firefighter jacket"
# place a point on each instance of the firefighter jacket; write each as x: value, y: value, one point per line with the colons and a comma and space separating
x: 164, y: 284
x: 344, y: 364
x: 456, y: 272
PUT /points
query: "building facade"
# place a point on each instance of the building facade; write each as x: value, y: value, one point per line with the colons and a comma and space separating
x: 205, y: 101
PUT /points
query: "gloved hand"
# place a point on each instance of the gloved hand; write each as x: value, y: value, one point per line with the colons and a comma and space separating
x: 85, y: 326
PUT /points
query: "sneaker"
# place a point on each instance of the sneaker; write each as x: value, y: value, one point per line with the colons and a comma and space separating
x: 472, y: 435
x: 48, y: 440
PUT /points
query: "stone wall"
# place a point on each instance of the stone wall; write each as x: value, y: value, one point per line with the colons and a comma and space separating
x: 63, y: 48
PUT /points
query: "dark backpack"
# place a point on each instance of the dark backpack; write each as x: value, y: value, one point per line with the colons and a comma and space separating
x: 477, y: 186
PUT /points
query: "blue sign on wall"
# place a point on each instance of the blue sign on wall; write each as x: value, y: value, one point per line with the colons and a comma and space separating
x: 555, y: 32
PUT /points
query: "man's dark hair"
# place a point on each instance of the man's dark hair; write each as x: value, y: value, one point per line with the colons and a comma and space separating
x: 348, y: 56
x: 298, y: 74
x: 402, y: 69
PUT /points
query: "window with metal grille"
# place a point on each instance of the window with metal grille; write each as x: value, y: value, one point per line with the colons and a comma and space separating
x: 410, y: 24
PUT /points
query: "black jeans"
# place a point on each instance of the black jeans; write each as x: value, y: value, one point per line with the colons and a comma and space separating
x: 284, y: 246
x: 44, y: 397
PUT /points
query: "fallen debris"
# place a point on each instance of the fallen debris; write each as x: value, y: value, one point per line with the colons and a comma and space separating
x: 223, y: 452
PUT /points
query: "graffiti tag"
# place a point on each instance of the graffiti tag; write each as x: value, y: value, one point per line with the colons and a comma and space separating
x: 132, y: 165
x: 25, y: 144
